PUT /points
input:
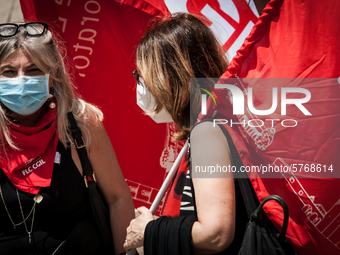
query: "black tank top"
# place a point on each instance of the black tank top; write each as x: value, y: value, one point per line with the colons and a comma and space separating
x: 65, y: 203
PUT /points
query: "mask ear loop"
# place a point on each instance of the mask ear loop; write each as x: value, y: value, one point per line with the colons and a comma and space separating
x: 52, y: 104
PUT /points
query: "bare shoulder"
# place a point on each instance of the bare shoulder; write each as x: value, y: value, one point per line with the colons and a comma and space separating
x: 99, y: 139
x: 93, y: 122
x: 208, y: 132
x: 209, y: 147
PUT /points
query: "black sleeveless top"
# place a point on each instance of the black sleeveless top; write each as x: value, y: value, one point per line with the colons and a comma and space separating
x: 65, y: 205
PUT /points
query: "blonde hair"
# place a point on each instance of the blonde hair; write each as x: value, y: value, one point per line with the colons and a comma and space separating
x: 48, y: 56
x: 177, y: 48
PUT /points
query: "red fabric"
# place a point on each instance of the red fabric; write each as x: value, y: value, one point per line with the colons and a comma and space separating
x: 304, y: 35
x: 155, y: 8
x: 31, y: 167
x: 102, y: 37
x: 237, y: 18
x: 172, y: 202
x: 297, y: 39
x: 28, y: 7
x: 244, y: 13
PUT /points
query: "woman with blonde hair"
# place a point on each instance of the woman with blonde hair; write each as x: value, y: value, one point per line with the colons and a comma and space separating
x: 199, y: 213
x: 43, y: 195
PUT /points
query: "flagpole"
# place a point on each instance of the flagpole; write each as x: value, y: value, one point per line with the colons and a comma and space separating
x: 165, y: 185
x: 168, y: 179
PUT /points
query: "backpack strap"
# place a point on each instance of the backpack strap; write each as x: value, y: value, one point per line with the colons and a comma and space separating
x: 249, y: 197
x: 248, y: 194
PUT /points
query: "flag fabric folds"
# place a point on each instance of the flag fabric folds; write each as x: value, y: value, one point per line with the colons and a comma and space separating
x: 294, y: 44
x: 101, y: 38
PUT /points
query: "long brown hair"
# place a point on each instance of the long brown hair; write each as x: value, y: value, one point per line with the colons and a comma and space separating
x: 177, y: 48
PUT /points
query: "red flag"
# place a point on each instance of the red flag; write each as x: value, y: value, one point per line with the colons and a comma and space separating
x: 297, y: 40
x: 102, y: 37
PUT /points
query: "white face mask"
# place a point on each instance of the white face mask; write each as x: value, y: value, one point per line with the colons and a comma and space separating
x: 146, y: 101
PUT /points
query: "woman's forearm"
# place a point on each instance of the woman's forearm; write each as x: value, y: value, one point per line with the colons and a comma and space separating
x: 207, y: 239
x: 121, y: 213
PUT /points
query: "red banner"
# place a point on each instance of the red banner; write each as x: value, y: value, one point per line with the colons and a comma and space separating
x: 296, y: 40
x: 102, y: 37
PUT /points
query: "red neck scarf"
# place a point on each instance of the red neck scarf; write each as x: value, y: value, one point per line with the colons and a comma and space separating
x: 31, y: 167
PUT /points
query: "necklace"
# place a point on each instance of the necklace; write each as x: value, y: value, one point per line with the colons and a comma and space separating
x: 15, y: 224
x: 37, y: 199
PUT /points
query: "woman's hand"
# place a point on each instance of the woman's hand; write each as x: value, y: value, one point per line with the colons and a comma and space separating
x: 135, y: 232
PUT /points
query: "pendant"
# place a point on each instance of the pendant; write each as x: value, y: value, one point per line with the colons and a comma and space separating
x: 38, y: 198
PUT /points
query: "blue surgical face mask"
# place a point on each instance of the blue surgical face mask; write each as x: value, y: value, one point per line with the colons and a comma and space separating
x: 25, y: 94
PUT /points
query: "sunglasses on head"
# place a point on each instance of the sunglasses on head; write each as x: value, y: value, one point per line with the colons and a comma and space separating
x: 32, y: 28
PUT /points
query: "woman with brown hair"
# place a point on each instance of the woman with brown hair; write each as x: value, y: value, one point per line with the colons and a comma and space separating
x: 174, y: 51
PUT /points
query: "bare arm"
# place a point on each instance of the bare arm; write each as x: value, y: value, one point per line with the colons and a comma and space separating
x: 215, y: 197
x: 112, y: 184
